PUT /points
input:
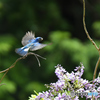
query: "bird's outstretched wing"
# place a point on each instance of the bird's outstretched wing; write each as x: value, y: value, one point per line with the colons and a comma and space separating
x: 37, y: 46
x: 29, y: 36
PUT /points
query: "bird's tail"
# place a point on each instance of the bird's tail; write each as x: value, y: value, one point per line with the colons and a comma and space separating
x: 22, y: 51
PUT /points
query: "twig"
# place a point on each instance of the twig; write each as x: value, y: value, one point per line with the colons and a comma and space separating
x: 97, y: 64
x: 30, y: 53
x: 3, y: 76
x: 96, y: 67
x: 86, y: 28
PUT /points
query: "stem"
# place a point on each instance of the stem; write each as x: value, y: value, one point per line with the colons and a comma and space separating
x: 30, y: 53
x: 96, y: 67
x: 86, y: 28
x: 3, y: 76
x: 97, y: 64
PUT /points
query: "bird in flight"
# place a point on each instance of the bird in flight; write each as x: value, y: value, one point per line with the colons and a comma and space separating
x: 31, y: 43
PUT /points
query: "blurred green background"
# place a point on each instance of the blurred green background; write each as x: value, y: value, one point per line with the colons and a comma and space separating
x: 59, y: 22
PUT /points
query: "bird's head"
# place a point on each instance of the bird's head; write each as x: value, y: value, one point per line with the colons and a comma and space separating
x: 38, y: 39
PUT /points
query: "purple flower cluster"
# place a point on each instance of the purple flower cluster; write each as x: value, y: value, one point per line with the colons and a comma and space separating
x: 70, y: 86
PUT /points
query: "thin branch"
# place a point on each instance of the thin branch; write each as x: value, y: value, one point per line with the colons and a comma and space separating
x: 3, y: 76
x: 97, y: 64
x: 96, y: 67
x: 38, y: 60
x: 30, y: 53
x: 86, y: 28
x: 12, y: 64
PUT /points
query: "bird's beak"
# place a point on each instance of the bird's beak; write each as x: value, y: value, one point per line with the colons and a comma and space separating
x: 41, y: 39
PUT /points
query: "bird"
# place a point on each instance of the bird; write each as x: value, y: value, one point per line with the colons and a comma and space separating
x: 31, y: 43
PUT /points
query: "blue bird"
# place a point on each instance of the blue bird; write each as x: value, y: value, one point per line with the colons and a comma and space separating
x: 31, y: 43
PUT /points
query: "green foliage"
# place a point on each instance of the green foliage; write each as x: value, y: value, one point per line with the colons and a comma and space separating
x: 7, y: 87
x: 70, y: 51
x: 35, y: 86
x: 6, y: 43
x: 96, y: 27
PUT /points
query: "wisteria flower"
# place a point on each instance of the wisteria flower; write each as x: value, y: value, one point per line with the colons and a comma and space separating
x: 70, y: 86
